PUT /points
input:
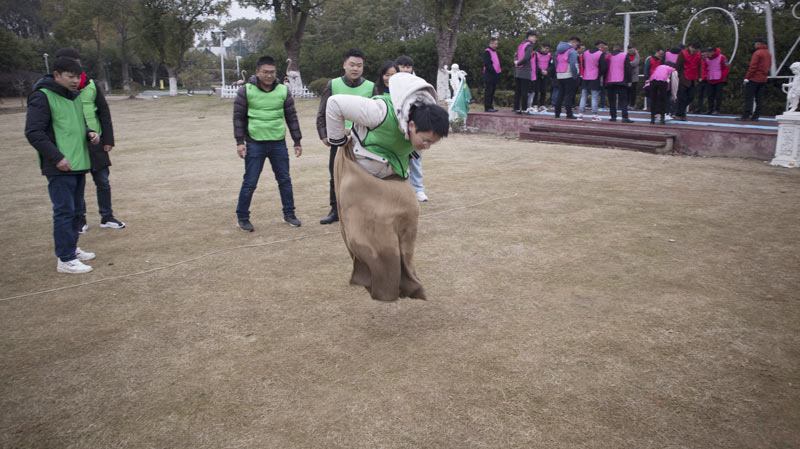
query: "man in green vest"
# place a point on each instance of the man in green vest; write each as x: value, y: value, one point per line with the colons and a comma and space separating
x: 351, y: 83
x: 55, y: 127
x: 98, y: 118
x: 259, y: 111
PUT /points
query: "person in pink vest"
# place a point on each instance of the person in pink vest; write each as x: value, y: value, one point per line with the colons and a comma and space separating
x: 714, y: 72
x: 524, y: 72
x: 567, y: 73
x: 594, y: 66
x: 543, y: 58
x: 688, y: 67
x: 618, y: 80
x: 661, y: 86
x: 650, y: 65
x: 491, y: 74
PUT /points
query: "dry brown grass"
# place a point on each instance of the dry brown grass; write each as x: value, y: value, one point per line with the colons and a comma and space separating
x: 561, y: 317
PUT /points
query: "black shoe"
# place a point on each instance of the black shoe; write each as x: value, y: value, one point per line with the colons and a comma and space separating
x: 680, y: 118
x: 82, y: 226
x: 490, y: 110
x: 557, y: 116
x: 333, y: 216
x: 627, y: 120
x: 292, y: 220
x: 111, y: 222
x: 517, y: 112
x: 743, y: 118
x: 652, y: 120
x: 246, y: 226
x: 572, y: 117
x: 754, y: 118
x: 612, y: 119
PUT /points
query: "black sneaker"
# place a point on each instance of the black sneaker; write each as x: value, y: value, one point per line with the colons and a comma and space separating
x: 82, y: 226
x: 111, y: 222
x: 627, y: 120
x: 744, y: 118
x: 292, y: 220
x: 246, y: 226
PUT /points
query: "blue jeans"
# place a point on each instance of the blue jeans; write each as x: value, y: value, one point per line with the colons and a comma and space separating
x: 415, y: 173
x: 257, y: 153
x: 595, y: 101
x: 100, y: 178
x: 66, y: 194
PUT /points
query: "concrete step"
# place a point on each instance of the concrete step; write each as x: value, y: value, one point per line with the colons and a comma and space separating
x: 608, y: 129
x: 650, y: 146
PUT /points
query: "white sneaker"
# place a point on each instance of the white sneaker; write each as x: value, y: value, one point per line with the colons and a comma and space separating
x: 580, y: 116
x: 83, y: 256
x: 596, y: 118
x: 668, y: 117
x: 74, y: 266
x: 421, y: 197
x: 531, y: 110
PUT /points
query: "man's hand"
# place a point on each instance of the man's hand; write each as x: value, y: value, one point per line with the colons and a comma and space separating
x: 108, y: 148
x: 298, y: 150
x: 64, y: 165
x: 241, y: 150
x: 325, y: 141
x: 94, y: 138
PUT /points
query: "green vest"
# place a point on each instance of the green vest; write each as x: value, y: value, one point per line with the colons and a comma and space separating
x: 69, y: 127
x: 388, y: 141
x: 265, y: 112
x: 363, y: 90
x: 88, y: 96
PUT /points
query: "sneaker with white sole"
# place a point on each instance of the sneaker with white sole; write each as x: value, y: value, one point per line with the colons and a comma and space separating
x: 83, y: 256
x: 292, y: 220
x: 82, y: 226
x: 580, y: 116
x: 596, y: 118
x: 421, y: 197
x: 111, y: 222
x: 668, y: 117
x: 73, y: 266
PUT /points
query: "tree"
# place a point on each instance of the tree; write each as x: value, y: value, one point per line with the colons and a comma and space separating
x: 22, y: 18
x: 169, y: 27
x: 248, y: 35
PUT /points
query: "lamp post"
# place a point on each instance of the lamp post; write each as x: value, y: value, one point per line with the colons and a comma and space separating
x: 46, y: 65
x: 628, y: 25
x: 221, y: 34
x: 238, y: 73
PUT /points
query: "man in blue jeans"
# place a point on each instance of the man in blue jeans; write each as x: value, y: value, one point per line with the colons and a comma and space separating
x: 259, y: 111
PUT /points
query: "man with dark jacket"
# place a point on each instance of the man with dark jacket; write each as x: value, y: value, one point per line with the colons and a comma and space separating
x: 351, y: 83
x: 259, y: 111
x: 567, y: 71
x: 491, y: 74
x: 524, y: 72
x: 98, y: 118
x: 755, y: 80
x: 689, y: 70
x: 55, y: 127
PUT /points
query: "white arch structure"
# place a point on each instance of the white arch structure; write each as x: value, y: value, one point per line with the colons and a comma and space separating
x: 733, y: 20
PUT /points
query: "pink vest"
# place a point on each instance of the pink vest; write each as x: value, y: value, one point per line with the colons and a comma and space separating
x: 521, y: 54
x: 495, y: 60
x: 543, y: 61
x: 591, y: 64
x: 714, y: 67
x: 662, y: 73
x: 671, y: 57
x: 562, y: 62
x: 616, y: 68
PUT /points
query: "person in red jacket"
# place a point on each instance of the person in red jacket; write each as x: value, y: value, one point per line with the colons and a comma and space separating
x: 755, y: 80
x: 714, y: 72
x: 688, y: 67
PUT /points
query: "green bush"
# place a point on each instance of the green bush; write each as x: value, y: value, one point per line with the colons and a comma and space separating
x: 318, y: 86
x: 504, y: 97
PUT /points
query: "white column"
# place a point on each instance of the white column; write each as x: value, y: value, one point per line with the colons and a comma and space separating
x: 786, y: 150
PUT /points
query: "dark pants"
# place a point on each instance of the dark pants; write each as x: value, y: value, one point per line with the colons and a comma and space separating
x: 257, y: 153
x: 66, y: 194
x: 541, y: 91
x: 618, y: 92
x: 714, y: 92
x: 685, y: 97
x: 566, y: 95
x: 702, y: 91
x: 331, y: 159
x: 103, y: 187
x: 632, y: 95
x: 521, y: 89
x: 753, y: 91
x: 488, y: 99
x: 603, y: 97
x: 659, y: 98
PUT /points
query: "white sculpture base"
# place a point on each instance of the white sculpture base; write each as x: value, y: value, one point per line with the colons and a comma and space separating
x: 788, y: 146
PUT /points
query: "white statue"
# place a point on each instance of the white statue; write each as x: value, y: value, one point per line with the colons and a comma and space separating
x: 792, y: 89
x: 456, y: 77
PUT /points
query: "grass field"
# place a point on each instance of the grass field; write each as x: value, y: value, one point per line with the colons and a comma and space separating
x: 578, y: 298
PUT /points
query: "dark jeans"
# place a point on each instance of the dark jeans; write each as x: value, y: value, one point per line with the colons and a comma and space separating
x: 659, y: 97
x: 257, y: 153
x: 488, y: 95
x: 618, y: 92
x: 632, y: 95
x: 66, y: 194
x: 330, y: 169
x: 541, y: 90
x: 714, y: 92
x: 100, y: 178
x: 566, y: 95
x: 753, y: 91
x: 521, y: 88
x: 702, y: 91
x: 685, y: 97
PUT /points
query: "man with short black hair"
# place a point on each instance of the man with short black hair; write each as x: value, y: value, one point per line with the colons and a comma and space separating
x: 524, y: 72
x: 351, y: 83
x: 56, y: 128
x: 491, y: 74
x: 688, y: 67
x: 755, y: 79
x: 618, y: 82
x: 259, y: 111
x: 567, y: 73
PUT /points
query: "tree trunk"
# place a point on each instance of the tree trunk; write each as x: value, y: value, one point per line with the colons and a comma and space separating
x: 172, y: 72
x: 293, y: 46
x: 155, y: 74
x: 446, y: 41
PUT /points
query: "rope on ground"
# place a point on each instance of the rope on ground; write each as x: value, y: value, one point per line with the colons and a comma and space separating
x: 252, y: 245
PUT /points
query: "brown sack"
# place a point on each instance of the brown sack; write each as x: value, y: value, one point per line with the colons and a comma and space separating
x: 379, y: 226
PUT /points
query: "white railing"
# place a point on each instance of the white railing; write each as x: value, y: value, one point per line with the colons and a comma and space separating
x: 230, y: 92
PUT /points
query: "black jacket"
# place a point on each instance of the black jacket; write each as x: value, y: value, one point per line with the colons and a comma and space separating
x: 39, y: 126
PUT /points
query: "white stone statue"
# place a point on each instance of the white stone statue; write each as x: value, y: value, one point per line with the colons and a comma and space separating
x: 456, y: 77
x: 792, y: 89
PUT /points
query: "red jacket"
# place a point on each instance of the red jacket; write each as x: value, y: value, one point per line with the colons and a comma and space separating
x: 691, y: 65
x: 725, y: 68
x: 760, y: 64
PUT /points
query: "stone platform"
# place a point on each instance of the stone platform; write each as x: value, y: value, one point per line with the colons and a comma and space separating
x: 701, y: 135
